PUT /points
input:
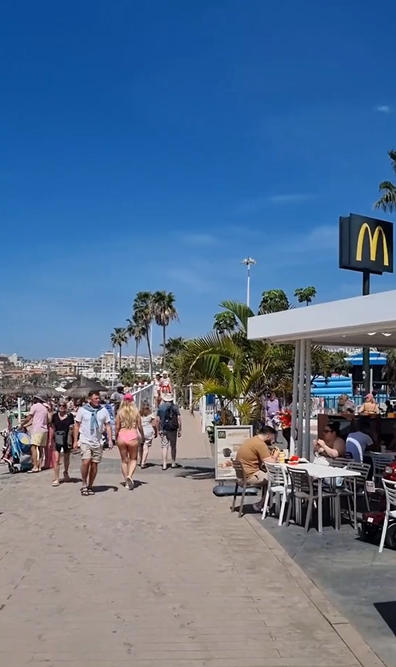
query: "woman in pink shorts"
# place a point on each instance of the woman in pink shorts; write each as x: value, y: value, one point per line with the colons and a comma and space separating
x: 128, y: 433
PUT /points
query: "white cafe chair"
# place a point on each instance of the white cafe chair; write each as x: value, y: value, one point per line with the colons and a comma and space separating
x: 390, y: 493
x: 278, y: 485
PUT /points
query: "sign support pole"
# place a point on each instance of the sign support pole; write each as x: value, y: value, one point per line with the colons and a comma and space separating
x: 366, y: 350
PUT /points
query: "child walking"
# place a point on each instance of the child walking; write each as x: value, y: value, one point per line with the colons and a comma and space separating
x: 150, y: 432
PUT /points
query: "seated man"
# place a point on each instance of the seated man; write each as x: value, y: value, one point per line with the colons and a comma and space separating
x: 358, y: 441
x: 255, y: 452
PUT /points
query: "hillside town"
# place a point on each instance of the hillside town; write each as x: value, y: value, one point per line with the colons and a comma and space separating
x: 15, y: 369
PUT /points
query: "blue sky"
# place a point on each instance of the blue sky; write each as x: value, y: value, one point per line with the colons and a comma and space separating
x: 155, y: 145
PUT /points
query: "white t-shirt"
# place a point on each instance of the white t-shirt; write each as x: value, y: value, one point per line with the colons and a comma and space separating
x: 83, y: 417
x: 357, y: 443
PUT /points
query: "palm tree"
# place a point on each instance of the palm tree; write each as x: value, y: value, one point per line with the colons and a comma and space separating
x: 273, y: 301
x: 238, y: 370
x: 174, y: 346
x: 387, y: 201
x: 305, y: 294
x: 118, y: 338
x: 224, y: 322
x: 143, y: 315
x: 136, y: 331
x: 173, y: 349
x: 164, y: 313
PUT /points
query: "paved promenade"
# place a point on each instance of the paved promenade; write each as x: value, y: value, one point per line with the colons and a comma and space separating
x: 163, y: 576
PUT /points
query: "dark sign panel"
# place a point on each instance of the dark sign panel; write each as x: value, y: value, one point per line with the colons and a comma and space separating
x: 366, y: 244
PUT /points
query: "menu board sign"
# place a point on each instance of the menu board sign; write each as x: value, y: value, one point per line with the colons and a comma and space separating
x: 227, y: 442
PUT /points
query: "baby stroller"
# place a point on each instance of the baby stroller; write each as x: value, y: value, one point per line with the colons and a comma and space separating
x: 16, y: 451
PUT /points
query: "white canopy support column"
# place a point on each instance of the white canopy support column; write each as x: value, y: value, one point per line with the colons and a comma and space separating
x: 307, y: 435
x: 295, y: 398
x: 301, y: 379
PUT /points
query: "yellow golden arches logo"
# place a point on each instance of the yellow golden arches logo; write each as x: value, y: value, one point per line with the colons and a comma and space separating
x: 373, y: 241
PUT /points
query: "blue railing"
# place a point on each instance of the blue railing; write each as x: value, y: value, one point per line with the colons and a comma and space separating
x: 331, y: 403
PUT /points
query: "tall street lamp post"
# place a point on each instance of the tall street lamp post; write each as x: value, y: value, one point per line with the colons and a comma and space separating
x: 249, y: 261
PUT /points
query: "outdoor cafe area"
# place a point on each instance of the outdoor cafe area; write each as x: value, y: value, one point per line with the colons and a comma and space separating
x: 346, y: 486
x: 352, y: 572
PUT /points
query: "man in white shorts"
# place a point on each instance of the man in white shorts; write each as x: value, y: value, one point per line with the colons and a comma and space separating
x: 91, y: 420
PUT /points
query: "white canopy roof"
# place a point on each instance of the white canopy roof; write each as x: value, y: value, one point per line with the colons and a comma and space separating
x: 358, y: 322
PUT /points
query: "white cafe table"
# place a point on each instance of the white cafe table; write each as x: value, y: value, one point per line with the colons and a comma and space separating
x: 320, y: 473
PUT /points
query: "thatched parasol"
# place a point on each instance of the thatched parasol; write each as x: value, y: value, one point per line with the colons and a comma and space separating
x: 81, y: 387
x: 26, y: 390
x: 8, y: 391
x: 46, y: 392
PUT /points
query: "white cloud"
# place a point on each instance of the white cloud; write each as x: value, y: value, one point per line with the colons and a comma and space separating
x: 251, y: 205
x: 191, y: 279
x: 258, y: 203
x: 384, y: 108
x: 199, y: 239
x: 325, y: 236
x: 290, y: 198
x: 316, y: 246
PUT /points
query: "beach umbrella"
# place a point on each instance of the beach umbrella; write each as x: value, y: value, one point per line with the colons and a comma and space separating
x: 45, y: 392
x: 26, y: 390
x: 81, y: 387
x: 8, y: 391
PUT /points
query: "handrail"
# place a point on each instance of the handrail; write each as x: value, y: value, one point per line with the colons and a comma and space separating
x: 144, y: 394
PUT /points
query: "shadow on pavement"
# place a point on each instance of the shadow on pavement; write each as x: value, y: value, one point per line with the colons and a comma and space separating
x: 138, y: 483
x: 104, y: 487
x: 387, y: 610
x: 196, y: 472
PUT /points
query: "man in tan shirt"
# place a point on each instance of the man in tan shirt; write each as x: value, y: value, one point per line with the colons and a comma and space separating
x: 255, y: 452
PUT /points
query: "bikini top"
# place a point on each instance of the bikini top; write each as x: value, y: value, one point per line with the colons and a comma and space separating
x: 128, y: 428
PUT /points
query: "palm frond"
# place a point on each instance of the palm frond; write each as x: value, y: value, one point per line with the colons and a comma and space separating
x: 241, y: 311
x: 387, y: 202
x: 392, y: 156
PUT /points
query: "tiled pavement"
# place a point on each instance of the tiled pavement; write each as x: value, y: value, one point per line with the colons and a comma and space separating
x: 162, y: 576
x: 356, y: 578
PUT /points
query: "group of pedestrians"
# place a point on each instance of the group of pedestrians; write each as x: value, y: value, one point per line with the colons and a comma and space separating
x: 134, y: 434
x: 87, y: 426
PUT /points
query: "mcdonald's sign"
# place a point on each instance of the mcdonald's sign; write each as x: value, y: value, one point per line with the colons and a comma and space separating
x: 366, y: 244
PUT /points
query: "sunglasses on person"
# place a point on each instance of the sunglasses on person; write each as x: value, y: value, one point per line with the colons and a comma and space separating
x: 327, y: 430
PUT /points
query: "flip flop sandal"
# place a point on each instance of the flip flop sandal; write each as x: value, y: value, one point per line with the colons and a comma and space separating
x: 91, y: 492
x: 56, y: 482
x: 84, y: 491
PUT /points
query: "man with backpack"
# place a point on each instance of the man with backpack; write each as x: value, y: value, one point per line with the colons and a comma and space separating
x: 169, y: 427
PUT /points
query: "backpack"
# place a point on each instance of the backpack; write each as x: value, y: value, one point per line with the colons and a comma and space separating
x: 171, y: 419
